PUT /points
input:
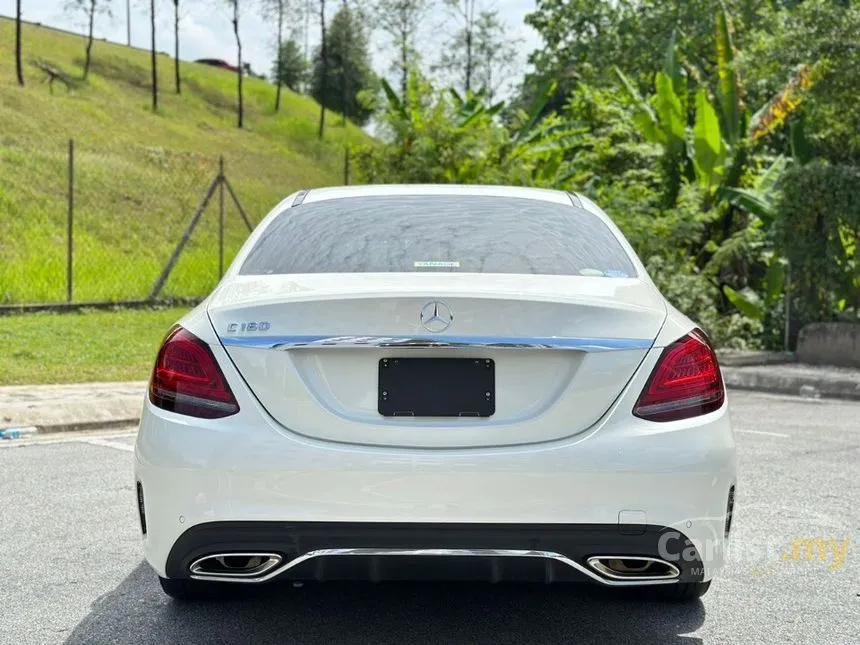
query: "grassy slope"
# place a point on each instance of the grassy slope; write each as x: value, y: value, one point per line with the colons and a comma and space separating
x: 139, y: 175
x: 82, y: 347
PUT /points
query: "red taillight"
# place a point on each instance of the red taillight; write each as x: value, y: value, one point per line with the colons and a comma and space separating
x: 686, y: 382
x: 187, y: 379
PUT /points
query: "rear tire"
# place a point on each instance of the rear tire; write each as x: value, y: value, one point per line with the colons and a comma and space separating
x: 679, y: 592
x: 187, y: 590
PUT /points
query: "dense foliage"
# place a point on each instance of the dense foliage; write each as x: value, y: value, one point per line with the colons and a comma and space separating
x: 817, y: 230
x: 705, y: 129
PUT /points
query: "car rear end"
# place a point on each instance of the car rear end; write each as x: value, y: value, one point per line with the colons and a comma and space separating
x: 482, y: 377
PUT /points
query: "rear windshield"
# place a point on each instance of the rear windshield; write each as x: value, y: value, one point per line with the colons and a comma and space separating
x: 441, y: 233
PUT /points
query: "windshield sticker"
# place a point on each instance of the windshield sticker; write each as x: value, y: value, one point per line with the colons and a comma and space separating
x: 436, y: 264
x: 616, y: 274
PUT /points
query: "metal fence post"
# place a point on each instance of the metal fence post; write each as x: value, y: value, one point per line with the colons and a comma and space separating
x: 221, y: 216
x: 70, y: 244
x: 787, y: 307
x: 346, y: 166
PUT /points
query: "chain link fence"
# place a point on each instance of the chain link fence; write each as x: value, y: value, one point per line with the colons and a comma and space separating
x: 86, y: 224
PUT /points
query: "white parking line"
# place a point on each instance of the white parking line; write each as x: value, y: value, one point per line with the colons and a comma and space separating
x: 107, y: 443
x: 762, y: 432
x: 67, y: 437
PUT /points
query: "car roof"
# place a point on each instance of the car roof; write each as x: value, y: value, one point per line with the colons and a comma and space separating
x: 385, y: 190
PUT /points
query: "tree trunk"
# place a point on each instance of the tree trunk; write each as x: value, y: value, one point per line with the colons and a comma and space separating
x: 344, y: 60
x: 241, y: 116
x: 324, y: 54
x: 470, y: 24
x: 489, y: 78
x: 280, y: 55
x: 18, y: 69
x: 404, y: 62
x: 306, y: 35
x: 92, y: 19
x: 176, y: 42
x: 153, y: 59
x: 468, y: 60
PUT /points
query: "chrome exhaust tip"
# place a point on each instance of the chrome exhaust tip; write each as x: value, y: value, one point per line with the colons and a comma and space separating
x: 232, y: 566
x: 633, y: 567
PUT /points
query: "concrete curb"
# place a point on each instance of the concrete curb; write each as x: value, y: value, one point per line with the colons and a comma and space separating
x: 762, y: 379
x: 739, y: 358
x: 73, y: 426
x: 81, y: 426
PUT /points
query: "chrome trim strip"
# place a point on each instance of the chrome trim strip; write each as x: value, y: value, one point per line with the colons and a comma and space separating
x: 197, y: 571
x: 583, y: 344
x: 482, y: 553
x: 597, y: 564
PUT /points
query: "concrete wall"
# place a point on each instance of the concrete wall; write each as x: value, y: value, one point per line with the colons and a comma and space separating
x: 830, y: 344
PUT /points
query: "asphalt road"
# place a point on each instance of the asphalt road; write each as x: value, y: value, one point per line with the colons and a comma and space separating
x: 71, y: 568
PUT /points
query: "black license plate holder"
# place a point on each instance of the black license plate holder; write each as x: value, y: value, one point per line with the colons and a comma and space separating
x: 437, y: 387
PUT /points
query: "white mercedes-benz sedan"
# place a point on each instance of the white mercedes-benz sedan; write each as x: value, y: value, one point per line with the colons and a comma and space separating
x: 423, y: 382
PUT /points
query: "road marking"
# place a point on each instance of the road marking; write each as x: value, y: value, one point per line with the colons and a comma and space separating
x: 66, y: 437
x: 107, y: 443
x: 767, y: 434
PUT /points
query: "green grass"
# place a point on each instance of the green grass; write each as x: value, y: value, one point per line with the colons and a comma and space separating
x: 82, y: 347
x: 139, y: 175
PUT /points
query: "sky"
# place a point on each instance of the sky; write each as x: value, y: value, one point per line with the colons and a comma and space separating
x: 206, y: 31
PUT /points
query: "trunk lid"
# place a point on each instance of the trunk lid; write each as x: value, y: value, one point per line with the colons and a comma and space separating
x: 310, y: 346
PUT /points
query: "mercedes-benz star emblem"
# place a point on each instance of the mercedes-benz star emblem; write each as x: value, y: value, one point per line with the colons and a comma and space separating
x: 436, y: 317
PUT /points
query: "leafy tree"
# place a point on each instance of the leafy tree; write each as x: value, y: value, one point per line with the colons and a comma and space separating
x: 460, y: 51
x: 480, y: 53
x: 90, y: 9
x: 495, y: 52
x: 584, y: 39
x: 279, y: 11
x: 290, y: 68
x: 401, y: 20
x: 341, y: 68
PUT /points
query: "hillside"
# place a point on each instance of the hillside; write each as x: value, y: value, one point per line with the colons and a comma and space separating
x: 138, y: 175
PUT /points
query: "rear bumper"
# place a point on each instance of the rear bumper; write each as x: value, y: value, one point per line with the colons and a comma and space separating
x: 628, y: 475
x: 396, y: 551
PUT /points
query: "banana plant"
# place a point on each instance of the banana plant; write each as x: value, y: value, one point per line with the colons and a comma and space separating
x: 466, y: 111
x: 715, y: 150
x: 760, y: 199
x: 473, y: 107
x: 753, y: 305
x: 709, y: 147
x: 729, y: 90
x: 775, y: 112
x: 662, y: 118
x: 544, y: 143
